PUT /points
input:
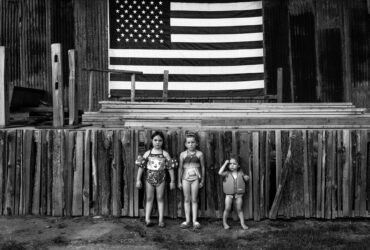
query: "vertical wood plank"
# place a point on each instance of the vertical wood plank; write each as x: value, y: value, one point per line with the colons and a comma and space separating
x: 94, y: 207
x: 58, y: 183
x: 78, y: 177
x: 306, y: 189
x: 135, y: 152
x: 333, y: 167
x: 87, y: 173
x: 37, y: 178
x: 180, y: 197
x: 278, y: 156
x: 357, y: 171
x: 116, y: 175
x: 256, y: 184
x: 2, y: 168
x: 19, y: 175
x: 10, y: 181
x: 329, y: 174
x: 28, y: 169
x: 202, y: 191
x: 105, y: 171
x: 312, y: 161
x: 280, y: 84
x: 210, y: 174
x: 57, y: 83
x: 363, y: 171
x: 69, y: 170
x: 4, y: 88
x: 262, y: 172
x: 72, y: 105
x: 244, y: 165
x: 220, y: 160
x: 319, y: 174
x: 323, y: 173
x: 269, y: 138
x: 340, y: 164
x: 125, y: 138
x: 49, y: 167
x: 346, y: 173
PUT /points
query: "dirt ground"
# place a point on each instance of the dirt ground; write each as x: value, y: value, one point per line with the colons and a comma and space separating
x: 127, y: 233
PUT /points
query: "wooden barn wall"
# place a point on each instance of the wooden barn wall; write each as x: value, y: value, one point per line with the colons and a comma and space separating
x: 91, y: 44
x: 27, y: 29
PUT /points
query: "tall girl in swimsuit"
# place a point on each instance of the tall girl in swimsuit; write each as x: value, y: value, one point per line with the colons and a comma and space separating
x: 191, y: 178
x: 154, y: 162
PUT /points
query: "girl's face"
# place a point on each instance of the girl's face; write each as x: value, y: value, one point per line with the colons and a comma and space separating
x: 157, y: 142
x: 191, y: 143
x: 233, y: 165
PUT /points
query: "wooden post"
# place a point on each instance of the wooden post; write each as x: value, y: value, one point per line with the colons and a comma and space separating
x: 91, y: 75
x: 165, y: 86
x: 346, y: 40
x: 133, y: 87
x: 57, y: 83
x: 291, y: 63
x: 4, y: 95
x: 72, y: 107
x: 280, y: 84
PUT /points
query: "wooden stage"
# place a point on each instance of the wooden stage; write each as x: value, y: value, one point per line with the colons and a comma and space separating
x: 299, y: 168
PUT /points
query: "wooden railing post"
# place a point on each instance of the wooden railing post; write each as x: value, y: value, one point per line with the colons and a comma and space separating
x: 72, y: 107
x: 4, y: 95
x: 57, y: 84
x: 91, y: 78
x: 133, y: 87
x: 165, y: 86
x: 280, y: 85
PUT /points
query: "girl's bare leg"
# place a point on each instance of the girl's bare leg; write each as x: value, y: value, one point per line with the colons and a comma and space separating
x: 149, y: 192
x: 187, y: 199
x: 228, y: 204
x: 160, y: 194
x: 239, y: 209
x: 194, y: 199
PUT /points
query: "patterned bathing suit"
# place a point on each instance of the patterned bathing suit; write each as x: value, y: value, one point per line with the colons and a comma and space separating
x: 155, y: 166
x: 191, y: 166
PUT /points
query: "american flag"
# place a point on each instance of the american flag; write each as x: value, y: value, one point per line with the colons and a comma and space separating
x: 214, y: 46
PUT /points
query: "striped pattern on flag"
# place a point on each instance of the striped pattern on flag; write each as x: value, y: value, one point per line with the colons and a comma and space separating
x: 205, y: 46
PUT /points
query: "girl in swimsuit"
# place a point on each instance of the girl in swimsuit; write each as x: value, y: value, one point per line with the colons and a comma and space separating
x: 191, y: 178
x: 234, y: 189
x: 154, y: 162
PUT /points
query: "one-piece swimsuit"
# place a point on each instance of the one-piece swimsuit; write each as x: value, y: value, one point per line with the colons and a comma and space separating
x: 155, y: 169
x: 191, y: 166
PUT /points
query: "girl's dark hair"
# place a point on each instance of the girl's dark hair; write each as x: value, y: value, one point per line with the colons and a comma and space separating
x: 157, y: 133
x: 236, y: 158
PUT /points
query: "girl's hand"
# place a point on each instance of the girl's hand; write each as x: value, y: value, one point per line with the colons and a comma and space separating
x: 179, y: 186
x: 227, y: 162
x: 201, y: 184
x: 139, y: 184
x: 172, y: 185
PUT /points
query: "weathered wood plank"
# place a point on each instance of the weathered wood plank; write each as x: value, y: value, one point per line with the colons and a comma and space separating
x: 49, y: 168
x: 18, y: 202
x: 10, y: 169
x: 347, y: 210
x: 28, y: 169
x: 202, y: 192
x: 72, y: 105
x: 245, y: 167
x: 210, y: 174
x: 58, y: 88
x: 340, y: 162
x: 3, y: 155
x: 262, y: 172
x: 278, y: 156
x: 4, y: 89
x: 219, y: 161
x: 37, y: 178
x: 78, y: 177
x: 306, y: 186
x: 116, y: 175
x: 104, y: 171
x: 329, y: 174
x: 135, y: 151
x: 284, y: 176
x: 269, y: 139
x: 69, y: 170
x: 94, y: 203
x: 363, y: 171
x: 125, y: 138
x: 58, y: 182
x: 256, y: 183
x: 319, y: 175
x: 87, y: 173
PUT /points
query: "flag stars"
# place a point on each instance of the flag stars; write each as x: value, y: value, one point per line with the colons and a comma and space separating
x: 130, y: 6
x: 160, y: 12
x: 160, y: 2
x: 135, y: 21
x: 161, y: 31
x: 126, y: 20
x: 122, y: 25
x: 117, y: 11
x: 151, y: 2
x: 131, y: 35
x: 122, y: 16
x: 143, y: 2
x: 161, y: 41
x: 118, y: 30
x: 144, y: 40
x: 118, y: 39
x: 127, y: 40
x: 117, y: 1
x: 118, y: 20
x: 153, y: 40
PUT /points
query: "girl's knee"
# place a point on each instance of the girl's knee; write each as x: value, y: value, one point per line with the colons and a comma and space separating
x: 149, y: 198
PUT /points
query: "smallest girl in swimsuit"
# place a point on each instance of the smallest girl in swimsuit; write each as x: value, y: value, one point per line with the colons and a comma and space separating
x: 191, y: 178
x: 154, y: 162
x: 234, y: 188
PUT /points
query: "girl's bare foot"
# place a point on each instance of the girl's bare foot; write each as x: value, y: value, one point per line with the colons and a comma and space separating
x: 244, y: 227
x: 226, y: 226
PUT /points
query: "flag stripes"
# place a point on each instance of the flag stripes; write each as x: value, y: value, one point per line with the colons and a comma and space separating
x: 205, y: 46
